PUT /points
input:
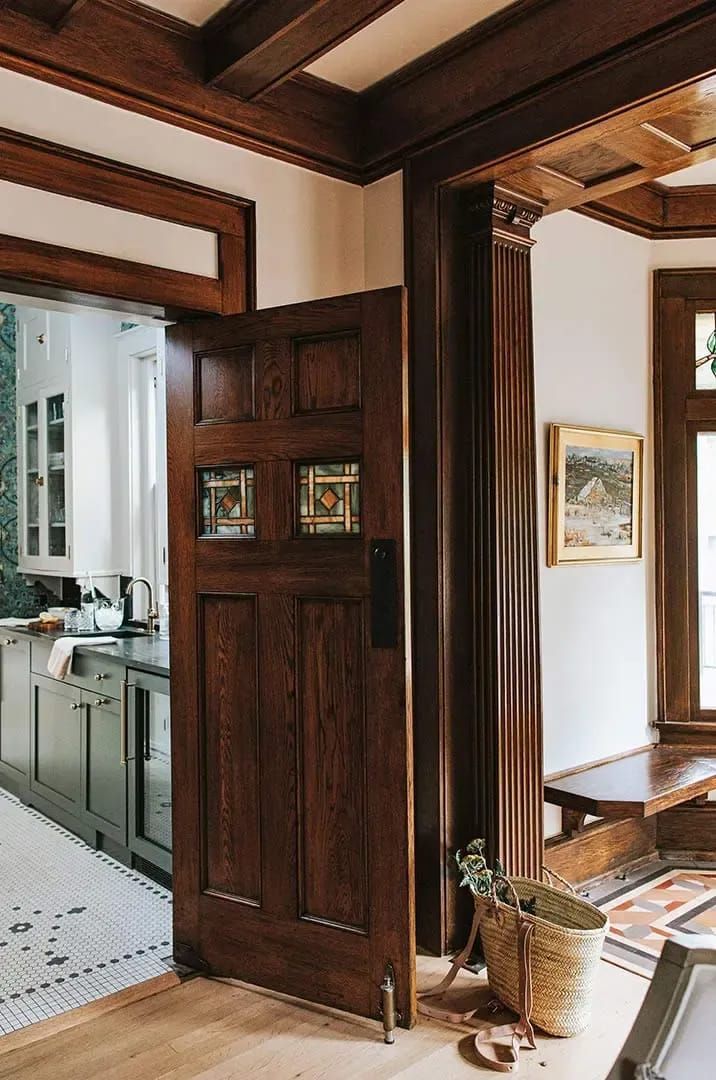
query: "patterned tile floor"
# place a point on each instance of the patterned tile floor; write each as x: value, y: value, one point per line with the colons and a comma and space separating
x: 662, y: 902
x: 75, y: 925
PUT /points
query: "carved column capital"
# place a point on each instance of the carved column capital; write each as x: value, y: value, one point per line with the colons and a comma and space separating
x: 495, y: 213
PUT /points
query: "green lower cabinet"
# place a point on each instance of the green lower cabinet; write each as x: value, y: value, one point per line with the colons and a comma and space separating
x: 56, y: 744
x: 14, y: 714
x: 104, y: 771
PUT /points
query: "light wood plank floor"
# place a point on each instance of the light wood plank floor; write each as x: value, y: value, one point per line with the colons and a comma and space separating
x: 218, y: 1031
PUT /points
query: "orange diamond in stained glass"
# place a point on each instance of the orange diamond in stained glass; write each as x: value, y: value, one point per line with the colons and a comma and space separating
x: 228, y: 502
x: 329, y: 499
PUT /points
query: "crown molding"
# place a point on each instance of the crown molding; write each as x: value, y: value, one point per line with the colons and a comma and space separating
x: 659, y: 212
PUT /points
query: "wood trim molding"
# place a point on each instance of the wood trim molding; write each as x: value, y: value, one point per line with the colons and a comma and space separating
x: 688, y: 831
x: 601, y: 848
x: 360, y: 137
x: 658, y: 212
x: 48, y: 167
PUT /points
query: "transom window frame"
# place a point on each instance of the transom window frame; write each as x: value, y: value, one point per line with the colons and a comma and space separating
x: 681, y: 411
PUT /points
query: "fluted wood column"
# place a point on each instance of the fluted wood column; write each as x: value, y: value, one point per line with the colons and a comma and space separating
x: 508, y: 716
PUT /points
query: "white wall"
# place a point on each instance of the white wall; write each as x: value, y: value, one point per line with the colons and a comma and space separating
x: 593, y: 367
x: 310, y: 227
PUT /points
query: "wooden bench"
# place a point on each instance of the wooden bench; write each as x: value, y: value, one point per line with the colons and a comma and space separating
x: 636, y: 786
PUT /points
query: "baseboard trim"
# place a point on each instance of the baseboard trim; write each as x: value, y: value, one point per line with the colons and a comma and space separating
x: 601, y: 848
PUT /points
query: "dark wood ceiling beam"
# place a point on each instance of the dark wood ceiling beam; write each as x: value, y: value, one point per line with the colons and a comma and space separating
x: 56, y: 13
x: 253, y: 46
x: 472, y: 85
x: 120, y: 53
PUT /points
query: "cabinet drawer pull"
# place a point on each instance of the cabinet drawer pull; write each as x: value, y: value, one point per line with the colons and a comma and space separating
x: 75, y: 705
x: 123, y: 722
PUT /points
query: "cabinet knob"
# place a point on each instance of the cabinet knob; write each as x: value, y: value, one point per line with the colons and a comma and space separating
x: 100, y: 676
x: 40, y: 339
x: 75, y: 705
x: 101, y: 701
x: 39, y: 481
x: 10, y: 641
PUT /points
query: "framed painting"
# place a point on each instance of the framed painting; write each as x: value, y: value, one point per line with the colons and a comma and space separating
x: 595, y: 496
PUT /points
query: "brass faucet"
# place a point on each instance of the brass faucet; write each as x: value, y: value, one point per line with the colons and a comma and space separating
x: 152, y: 613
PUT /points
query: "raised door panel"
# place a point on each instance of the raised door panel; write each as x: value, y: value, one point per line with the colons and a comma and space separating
x: 15, y: 711
x: 104, y: 771
x: 231, y: 747
x: 56, y: 743
x: 332, y: 780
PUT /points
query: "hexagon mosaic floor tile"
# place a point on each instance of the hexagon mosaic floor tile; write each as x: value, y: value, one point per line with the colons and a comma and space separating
x: 670, y: 900
x: 75, y: 925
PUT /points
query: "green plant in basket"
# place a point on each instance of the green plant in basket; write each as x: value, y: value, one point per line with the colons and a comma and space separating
x: 481, y: 879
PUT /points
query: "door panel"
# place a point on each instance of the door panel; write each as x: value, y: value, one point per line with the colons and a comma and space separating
x: 231, y: 747
x: 56, y: 743
x: 104, y: 778
x: 292, y: 743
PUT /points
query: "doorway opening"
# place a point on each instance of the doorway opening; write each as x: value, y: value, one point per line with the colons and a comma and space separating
x: 85, y: 752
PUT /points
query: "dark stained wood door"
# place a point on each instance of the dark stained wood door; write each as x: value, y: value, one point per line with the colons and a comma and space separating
x: 293, y: 851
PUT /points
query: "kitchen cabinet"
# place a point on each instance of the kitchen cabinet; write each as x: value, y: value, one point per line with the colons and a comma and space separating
x: 14, y: 712
x: 56, y: 743
x: 150, y: 781
x: 104, y: 766
x: 68, y: 426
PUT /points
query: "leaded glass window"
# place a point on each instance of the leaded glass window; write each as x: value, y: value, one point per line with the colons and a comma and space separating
x: 705, y: 350
x: 329, y: 497
x: 228, y: 501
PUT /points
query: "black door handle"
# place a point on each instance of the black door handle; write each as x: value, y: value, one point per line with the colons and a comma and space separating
x: 384, y: 629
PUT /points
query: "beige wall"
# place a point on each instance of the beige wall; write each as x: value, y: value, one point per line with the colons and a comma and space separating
x: 383, y: 230
x: 310, y: 227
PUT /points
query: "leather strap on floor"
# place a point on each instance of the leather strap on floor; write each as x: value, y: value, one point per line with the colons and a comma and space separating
x: 489, y: 1049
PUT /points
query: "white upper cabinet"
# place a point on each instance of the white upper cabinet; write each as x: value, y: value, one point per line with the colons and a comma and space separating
x: 67, y: 423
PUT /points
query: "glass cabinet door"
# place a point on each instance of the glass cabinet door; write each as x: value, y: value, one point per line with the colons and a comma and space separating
x: 56, y: 482
x: 33, y: 478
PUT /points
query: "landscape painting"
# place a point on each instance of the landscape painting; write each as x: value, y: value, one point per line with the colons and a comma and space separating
x: 595, y: 495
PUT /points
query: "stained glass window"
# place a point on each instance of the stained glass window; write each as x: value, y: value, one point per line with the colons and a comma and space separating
x: 228, y: 501
x: 329, y: 497
x: 705, y: 350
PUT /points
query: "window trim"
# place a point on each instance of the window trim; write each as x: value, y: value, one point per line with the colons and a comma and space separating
x: 680, y: 411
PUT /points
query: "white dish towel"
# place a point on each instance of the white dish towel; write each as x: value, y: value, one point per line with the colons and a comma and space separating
x: 60, y: 661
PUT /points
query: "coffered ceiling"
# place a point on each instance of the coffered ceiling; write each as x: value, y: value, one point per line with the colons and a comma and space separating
x: 353, y: 88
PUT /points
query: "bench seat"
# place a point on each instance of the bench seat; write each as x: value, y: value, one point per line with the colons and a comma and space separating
x: 636, y: 786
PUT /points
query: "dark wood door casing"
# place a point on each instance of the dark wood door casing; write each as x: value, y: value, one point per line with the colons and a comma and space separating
x: 474, y: 550
x: 293, y: 858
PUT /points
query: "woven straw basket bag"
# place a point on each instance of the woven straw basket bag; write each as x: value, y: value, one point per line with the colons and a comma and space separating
x: 541, y: 966
x: 565, y: 950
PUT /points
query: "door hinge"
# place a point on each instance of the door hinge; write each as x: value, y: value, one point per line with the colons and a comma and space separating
x: 387, y: 1005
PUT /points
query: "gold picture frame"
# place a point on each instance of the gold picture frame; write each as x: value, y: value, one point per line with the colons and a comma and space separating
x: 595, y: 496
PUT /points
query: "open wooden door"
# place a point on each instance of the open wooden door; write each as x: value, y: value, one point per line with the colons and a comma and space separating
x: 293, y: 852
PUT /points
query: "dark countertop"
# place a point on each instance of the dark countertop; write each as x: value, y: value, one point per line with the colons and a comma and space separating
x: 143, y: 653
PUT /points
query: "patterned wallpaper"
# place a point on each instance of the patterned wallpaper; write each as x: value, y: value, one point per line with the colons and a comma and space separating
x: 16, y: 596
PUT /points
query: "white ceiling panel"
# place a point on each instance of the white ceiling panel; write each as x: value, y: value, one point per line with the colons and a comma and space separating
x: 401, y: 35
x: 191, y: 11
x: 704, y: 173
